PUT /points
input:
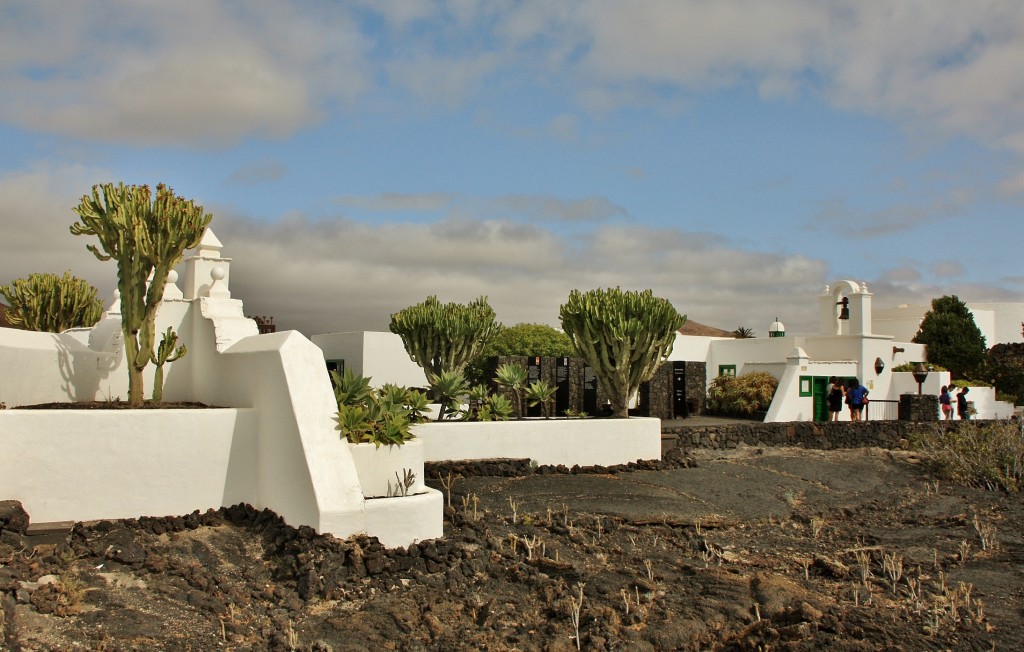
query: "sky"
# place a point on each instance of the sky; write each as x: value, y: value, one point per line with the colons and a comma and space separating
x: 733, y: 156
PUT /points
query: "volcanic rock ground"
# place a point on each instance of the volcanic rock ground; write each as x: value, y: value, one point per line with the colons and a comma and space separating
x: 776, y: 549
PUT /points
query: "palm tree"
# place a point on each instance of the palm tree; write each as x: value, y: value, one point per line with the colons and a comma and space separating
x: 744, y: 333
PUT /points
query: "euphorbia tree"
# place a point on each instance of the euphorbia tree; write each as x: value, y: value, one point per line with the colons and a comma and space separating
x: 623, y: 335
x: 146, y: 236
x: 51, y: 303
x: 444, y: 337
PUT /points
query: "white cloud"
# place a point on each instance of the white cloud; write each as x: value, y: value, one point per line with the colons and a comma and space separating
x: 37, y: 215
x: 158, y: 73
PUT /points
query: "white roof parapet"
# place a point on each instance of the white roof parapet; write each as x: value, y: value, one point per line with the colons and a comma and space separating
x: 210, y: 246
x: 796, y: 355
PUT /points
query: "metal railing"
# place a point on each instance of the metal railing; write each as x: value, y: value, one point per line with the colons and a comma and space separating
x: 881, y: 410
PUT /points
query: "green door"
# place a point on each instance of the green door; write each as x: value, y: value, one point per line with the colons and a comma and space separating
x: 819, y: 389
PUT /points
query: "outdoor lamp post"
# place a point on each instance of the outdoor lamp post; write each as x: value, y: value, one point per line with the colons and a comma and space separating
x: 920, y: 373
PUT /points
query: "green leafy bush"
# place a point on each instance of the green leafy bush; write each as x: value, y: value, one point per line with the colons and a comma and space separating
x: 989, y: 455
x: 743, y: 394
x: 381, y: 417
x: 520, y: 339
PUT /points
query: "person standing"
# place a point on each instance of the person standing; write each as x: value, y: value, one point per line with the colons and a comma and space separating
x: 855, y: 395
x: 946, y: 403
x: 963, y: 410
x: 835, y: 395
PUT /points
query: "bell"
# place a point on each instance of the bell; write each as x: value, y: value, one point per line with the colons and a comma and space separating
x: 844, y: 313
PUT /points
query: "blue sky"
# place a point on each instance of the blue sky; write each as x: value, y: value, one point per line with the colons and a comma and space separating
x: 734, y: 156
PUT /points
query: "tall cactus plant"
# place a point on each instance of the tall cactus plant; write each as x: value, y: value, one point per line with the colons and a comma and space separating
x: 444, y: 337
x: 623, y: 335
x: 145, y: 235
x: 51, y: 303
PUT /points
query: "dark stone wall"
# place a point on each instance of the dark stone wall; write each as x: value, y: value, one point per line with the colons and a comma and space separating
x: 924, y: 407
x: 656, y: 397
x: 805, y: 434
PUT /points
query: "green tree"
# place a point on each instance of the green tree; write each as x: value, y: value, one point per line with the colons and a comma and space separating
x: 1004, y: 366
x: 444, y: 337
x: 521, y: 339
x: 744, y: 333
x: 953, y: 339
x: 622, y: 335
x: 145, y: 235
x: 51, y: 303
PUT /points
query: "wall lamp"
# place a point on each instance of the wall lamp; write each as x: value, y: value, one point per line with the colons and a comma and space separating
x: 844, y: 313
x: 879, y: 365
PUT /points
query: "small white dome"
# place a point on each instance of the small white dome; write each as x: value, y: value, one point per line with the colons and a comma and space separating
x: 777, y: 327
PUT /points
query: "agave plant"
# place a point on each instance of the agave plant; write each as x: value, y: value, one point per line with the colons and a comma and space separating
x: 350, y: 388
x: 379, y: 417
x: 495, y: 408
x: 513, y: 377
x: 542, y: 394
x: 449, y: 388
x: 413, y: 401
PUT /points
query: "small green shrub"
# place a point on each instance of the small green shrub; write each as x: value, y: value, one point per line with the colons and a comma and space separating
x: 909, y: 366
x: 989, y: 455
x: 743, y: 394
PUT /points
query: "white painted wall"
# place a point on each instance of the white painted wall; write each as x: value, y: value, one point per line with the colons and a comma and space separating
x: 1007, y: 321
x: 692, y: 348
x: 381, y: 356
x: 586, y: 442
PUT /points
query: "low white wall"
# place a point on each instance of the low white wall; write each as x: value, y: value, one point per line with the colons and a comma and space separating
x: 585, y: 442
x: 78, y: 465
x: 382, y: 469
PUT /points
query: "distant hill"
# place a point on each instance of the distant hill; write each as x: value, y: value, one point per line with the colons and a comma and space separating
x: 696, y: 328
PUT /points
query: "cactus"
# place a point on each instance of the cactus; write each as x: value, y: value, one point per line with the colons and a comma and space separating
x: 443, y: 338
x: 623, y: 335
x: 51, y: 303
x: 165, y: 353
x: 145, y: 236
